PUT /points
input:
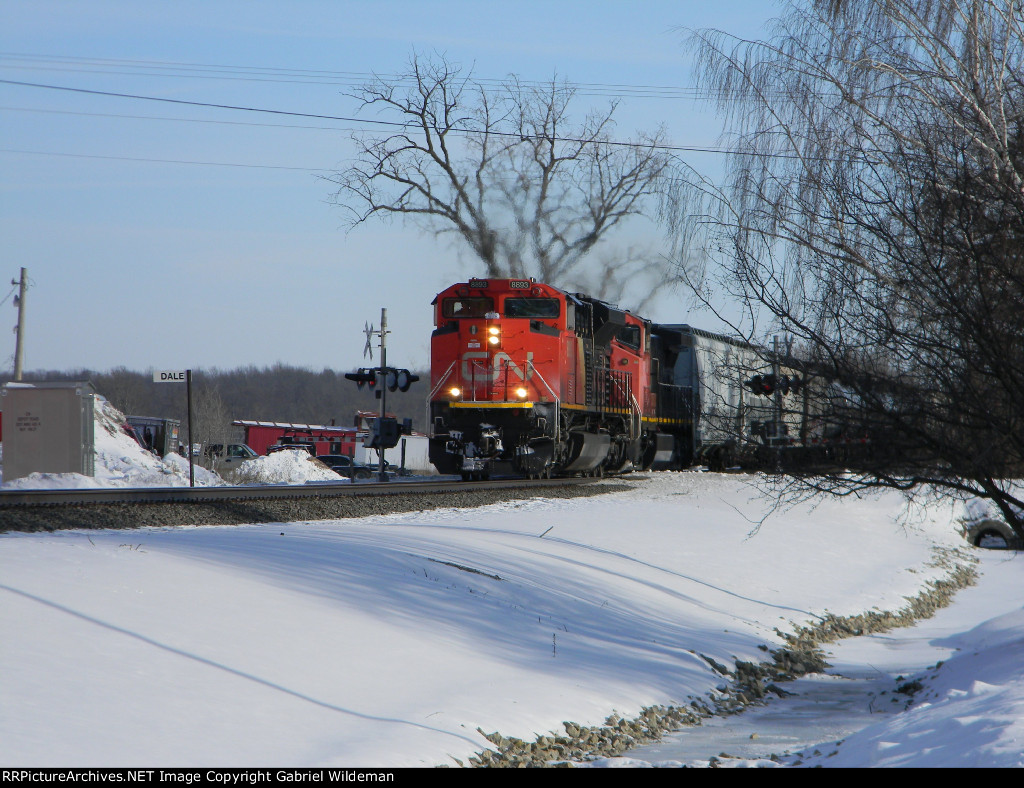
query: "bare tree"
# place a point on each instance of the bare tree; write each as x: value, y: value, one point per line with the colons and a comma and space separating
x: 126, y: 390
x: 874, y: 210
x: 211, y: 420
x: 506, y: 171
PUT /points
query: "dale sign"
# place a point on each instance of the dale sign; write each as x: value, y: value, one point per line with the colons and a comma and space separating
x: 171, y: 376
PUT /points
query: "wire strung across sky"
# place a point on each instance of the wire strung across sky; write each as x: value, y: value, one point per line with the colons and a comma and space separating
x: 162, y: 161
x: 393, y: 124
x: 122, y: 67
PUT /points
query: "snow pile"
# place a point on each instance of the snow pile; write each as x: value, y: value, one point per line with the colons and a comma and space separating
x: 204, y: 477
x: 289, y: 466
x: 120, y: 462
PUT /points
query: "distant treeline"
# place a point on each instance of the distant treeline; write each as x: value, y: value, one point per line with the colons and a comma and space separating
x: 277, y: 393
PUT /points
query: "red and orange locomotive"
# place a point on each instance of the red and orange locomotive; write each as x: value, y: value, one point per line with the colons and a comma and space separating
x: 527, y: 378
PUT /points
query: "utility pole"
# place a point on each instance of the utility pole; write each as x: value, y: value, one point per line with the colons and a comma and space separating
x: 191, y: 461
x: 19, y: 347
x: 382, y: 391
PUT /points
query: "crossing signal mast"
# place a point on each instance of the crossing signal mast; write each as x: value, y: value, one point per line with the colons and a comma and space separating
x: 775, y: 385
x: 386, y: 430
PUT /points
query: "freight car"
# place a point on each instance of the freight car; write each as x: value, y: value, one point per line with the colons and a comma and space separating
x: 527, y: 378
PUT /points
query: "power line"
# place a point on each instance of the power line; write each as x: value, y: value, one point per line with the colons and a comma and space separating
x: 308, y: 76
x: 394, y: 124
x: 122, y: 116
x: 16, y: 285
x: 199, y: 103
x: 162, y: 161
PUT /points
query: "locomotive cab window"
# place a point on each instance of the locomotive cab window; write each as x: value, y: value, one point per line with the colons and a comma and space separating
x: 466, y: 307
x: 533, y: 308
x: 629, y: 335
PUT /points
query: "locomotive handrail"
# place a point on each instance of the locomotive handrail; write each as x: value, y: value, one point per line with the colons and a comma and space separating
x: 639, y: 417
x: 625, y: 389
x: 558, y: 402
x: 433, y: 391
x: 478, y: 366
x: 444, y: 377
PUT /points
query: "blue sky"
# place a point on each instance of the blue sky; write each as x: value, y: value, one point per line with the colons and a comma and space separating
x: 170, y: 236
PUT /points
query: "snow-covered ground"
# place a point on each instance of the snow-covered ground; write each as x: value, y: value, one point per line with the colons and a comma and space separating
x: 388, y: 641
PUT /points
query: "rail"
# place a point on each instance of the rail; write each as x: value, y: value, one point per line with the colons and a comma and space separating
x: 199, y: 495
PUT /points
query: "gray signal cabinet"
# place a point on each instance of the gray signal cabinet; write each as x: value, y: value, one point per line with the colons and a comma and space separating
x: 48, y: 428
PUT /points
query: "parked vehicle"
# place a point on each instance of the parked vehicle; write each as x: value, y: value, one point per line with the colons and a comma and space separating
x: 343, y: 465
x: 158, y: 435
x: 216, y: 456
x: 302, y: 445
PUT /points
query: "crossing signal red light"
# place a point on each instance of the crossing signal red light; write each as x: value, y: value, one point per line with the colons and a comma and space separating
x: 764, y: 385
x: 363, y: 377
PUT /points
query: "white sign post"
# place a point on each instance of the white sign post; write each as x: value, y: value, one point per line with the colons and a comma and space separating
x: 181, y: 376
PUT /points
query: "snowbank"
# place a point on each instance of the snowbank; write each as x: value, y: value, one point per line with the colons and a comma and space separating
x: 290, y: 466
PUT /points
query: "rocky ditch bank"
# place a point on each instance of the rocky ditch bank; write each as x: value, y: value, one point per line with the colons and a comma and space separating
x: 748, y: 683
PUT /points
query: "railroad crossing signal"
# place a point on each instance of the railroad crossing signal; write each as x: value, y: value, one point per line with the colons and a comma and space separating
x: 386, y: 430
x: 395, y: 379
x: 363, y: 377
x: 765, y: 385
x: 762, y: 385
x: 400, y: 379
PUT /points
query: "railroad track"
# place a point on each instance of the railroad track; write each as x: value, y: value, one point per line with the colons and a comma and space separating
x: 48, y: 510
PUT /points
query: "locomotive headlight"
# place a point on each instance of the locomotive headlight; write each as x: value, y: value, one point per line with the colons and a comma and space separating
x: 495, y: 335
x: 455, y: 391
x: 521, y: 393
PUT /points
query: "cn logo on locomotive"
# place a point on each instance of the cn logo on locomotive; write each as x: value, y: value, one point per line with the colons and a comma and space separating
x: 475, y: 366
